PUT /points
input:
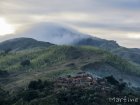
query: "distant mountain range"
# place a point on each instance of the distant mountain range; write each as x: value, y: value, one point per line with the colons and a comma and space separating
x: 63, y: 35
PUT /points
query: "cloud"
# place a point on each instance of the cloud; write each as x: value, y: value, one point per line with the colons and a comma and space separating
x: 126, y: 27
x: 121, y: 16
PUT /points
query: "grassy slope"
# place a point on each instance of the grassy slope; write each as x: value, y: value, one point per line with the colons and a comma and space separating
x: 58, y: 55
x: 129, y: 54
x: 58, y: 61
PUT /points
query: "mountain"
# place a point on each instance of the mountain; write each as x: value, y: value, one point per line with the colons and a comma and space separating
x: 58, y: 61
x: 57, y: 69
x: 131, y: 54
x: 64, y: 35
x: 61, y: 34
x: 53, y: 33
x: 35, y: 72
x: 97, y: 42
x: 18, y: 44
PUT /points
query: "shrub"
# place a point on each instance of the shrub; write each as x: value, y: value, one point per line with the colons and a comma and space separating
x: 30, y: 95
x: 36, y: 85
x: 3, y: 73
x: 25, y: 63
x: 112, y: 80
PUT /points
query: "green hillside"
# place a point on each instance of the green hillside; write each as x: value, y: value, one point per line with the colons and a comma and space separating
x: 19, y: 44
x: 55, y: 61
x: 17, y: 69
x: 64, y: 56
x: 131, y: 54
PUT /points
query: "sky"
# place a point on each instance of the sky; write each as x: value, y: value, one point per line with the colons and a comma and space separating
x: 110, y: 19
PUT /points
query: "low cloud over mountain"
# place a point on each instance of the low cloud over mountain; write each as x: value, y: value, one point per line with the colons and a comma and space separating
x: 54, y: 33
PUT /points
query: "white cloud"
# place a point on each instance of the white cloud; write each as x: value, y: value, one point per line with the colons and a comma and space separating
x: 134, y: 35
x: 120, y: 16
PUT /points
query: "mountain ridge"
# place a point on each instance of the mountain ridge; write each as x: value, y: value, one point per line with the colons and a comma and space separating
x: 63, y: 35
x: 131, y: 54
x: 22, y: 43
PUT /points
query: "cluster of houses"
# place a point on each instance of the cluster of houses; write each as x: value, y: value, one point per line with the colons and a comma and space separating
x: 83, y: 80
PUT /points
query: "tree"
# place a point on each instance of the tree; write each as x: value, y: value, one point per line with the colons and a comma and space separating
x: 36, y: 85
x: 121, y: 87
x: 112, y: 80
x: 6, y: 51
x: 30, y: 95
x: 25, y: 62
x: 3, y: 73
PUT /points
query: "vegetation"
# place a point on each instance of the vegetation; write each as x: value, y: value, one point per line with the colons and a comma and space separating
x: 46, y: 65
x: 56, y: 61
x: 122, y: 64
x: 19, y: 44
x: 48, y: 93
x: 3, y: 73
x: 58, y: 55
x: 25, y: 63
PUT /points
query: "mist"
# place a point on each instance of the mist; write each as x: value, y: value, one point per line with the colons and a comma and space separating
x: 53, y: 33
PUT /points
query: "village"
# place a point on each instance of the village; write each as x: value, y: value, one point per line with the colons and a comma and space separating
x: 84, y: 80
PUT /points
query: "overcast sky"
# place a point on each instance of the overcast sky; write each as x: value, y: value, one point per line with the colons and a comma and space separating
x: 110, y: 19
